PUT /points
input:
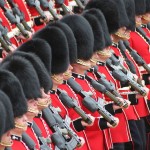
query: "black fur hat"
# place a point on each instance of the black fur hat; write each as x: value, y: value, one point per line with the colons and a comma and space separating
x: 99, y: 42
x: 43, y: 76
x: 39, y: 47
x: 26, y: 74
x: 11, y: 86
x: 130, y: 9
x: 97, y: 13
x: 110, y: 11
x: 70, y: 38
x: 2, y: 119
x: 83, y: 34
x: 60, y: 51
x: 123, y: 18
x: 8, y: 110
x: 140, y: 7
x: 147, y: 5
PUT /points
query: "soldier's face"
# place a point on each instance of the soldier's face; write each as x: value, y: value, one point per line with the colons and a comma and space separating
x: 6, y: 140
x: 21, y: 123
x: 68, y: 73
x: 138, y: 20
x: 104, y: 54
x: 32, y: 108
x: 123, y: 33
x: 44, y: 101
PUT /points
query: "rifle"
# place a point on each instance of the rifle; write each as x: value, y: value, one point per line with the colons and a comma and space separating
x: 3, y: 43
x: 8, y: 13
x: 108, y: 84
x: 129, y: 62
x: 119, y: 75
x: 28, y: 140
x: 63, y: 6
x: 79, y: 3
x: 58, y: 141
x: 4, y: 32
x: 48, y: 115
x: 90, y: 103
x: 71, y: 133
x: 36, y: 5
x: 70, y: 103
x: 17, y: 12
x: 138, y: 59
x: 118, y: 65
x: 101, y: 88
x: 47, y: 5
x: 43, y: 141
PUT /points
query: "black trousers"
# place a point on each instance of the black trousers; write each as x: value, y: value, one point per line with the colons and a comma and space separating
x: 119, y: 146
x: 137, y: 142
x: 142, y: 130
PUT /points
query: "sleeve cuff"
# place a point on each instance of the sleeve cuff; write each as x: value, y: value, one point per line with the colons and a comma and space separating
x: 77, y: 125
x: 132, y: 98
x: 37, y: 21
x: 103, y: 124
x: 109, y: 108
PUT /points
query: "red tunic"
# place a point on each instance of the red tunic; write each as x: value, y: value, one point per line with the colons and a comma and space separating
x: 94, y: 133
x: 19, y: 145
x: 74, y: 116
x: 7, y: 24
x: 34, y: 14
x: 140, y: 45
x: 120, y: 133
x: 141, y: 107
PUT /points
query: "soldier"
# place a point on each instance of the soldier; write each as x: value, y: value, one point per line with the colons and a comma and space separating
x: 35, y: 46
x: 27, y: 76
x: 141, y: 47
x: 46, y: 85
x: 39, y: 18
x: 81, y: 64
x: 58, y: 68
x: 19, y: 106
x: 6, y: 116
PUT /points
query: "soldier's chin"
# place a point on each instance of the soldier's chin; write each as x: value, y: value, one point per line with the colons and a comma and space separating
x: 21, y: 126
x: 44, y: 104
x: 67, y: 76
x: 6, y: 144
x: 33, y: 111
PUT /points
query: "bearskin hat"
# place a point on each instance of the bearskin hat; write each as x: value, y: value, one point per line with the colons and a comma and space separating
x: 26, y: 74
x: 11, y: 86
x: 43, y: 76
x: 99, y: 42
x: 99, y: 15
x: 8, y: 111
x: 130, y: 9
x: 39, y: 47
x: 123, y: 18
x: 83, y: 34
x: 70, y: 38
x: 140, y: 7
x: 2, y: 119
x: 110, y: 11
x: 60, y: 51
x: 147, y: 5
